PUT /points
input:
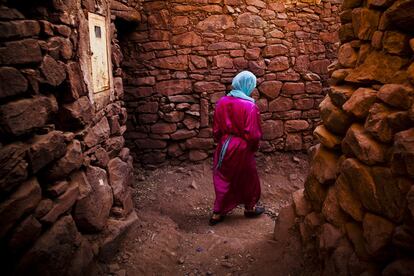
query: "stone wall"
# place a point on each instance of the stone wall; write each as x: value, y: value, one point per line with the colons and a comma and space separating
x: 357, y: 206
x: 183, y: 56
x: 64, y: 170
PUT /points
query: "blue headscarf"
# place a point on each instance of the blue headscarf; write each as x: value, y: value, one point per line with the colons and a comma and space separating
x: 243, y: 85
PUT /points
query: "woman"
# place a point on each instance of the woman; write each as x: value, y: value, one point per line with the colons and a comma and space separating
x: 237, y: 131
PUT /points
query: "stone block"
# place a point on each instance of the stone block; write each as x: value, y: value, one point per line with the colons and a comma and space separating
x: 120, y: 177
x: 403, y: 266
x: 296, y: 125
x: 62, y: 204
x: 225, y: 45
x: 293, y: 141
x: 56, y: 251
x: 400, y: 14
x: 346, y: 33
x: 402, y: 161
x: 329, y: 237
x: 92, y: 211
x: 272, y: 129
x: 278, y: 64
x: 313, y: 87
x: 22, y: 201
x: 53, y: 71
x: 324, y: 165
x: 275, y: 50
x: 98, y: 133
x: 397, y: 95
x: 360, y: 179
x: 16, y: 118
x: 292, y: 88
x: 302, y: 207
x: 173, y: 87
x: 377, y: 67
x: 377, y: 232
x: 199, y: 143
x: 25, y: 234
x: 304, y: 104
x: 163, y: 128
x: 340, y: 94
x: 45, y: 149
x: 179, y: 62
x: 189, y: 39
x: 250, y: 20
x: 13, y: 166
x: 71, y: 161
x: 314, y: 192
x: 216, y: 23
x: 360, y: 102
x: 348, y: 199
x: 334, y: 118
x: 197, y: 155
x: 208, y: 86
x: 20, y: 52
x: 12, y: 82
x: 76, y: 114
x: 347, y: 56
x: 326, y: 138
x: 331, y: 209
x: 359, y: 143
x: 280, y: 104
x: 271, y: 89
x: 365, y: 22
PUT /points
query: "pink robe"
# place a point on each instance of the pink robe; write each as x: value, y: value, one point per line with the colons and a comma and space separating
x: 236, y: 181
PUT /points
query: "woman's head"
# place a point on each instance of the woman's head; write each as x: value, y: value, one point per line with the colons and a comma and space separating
x: 244, y: 81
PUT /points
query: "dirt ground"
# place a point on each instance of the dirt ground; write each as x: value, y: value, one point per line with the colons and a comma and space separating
x: 173, y: 237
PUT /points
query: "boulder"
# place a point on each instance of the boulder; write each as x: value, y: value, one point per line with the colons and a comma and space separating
x: 329, y: 237
x: 360, y: 102
x: 92, y: 211
x: 400, y: 14
x: 355, y: 234
x: 359, y: 143
x: 16, y: 118
x: 45, y: 149
x: 25, y: 234
x: 377, y: 123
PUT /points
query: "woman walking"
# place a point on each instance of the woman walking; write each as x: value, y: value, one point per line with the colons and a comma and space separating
x: 237, y: 131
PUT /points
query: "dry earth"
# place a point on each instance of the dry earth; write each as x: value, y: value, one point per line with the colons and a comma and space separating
x: 173, y: 237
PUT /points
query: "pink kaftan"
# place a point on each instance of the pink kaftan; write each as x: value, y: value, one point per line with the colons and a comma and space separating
x: 236, y: 181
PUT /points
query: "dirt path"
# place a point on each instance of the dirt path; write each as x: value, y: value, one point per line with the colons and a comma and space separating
x: 173, y: 236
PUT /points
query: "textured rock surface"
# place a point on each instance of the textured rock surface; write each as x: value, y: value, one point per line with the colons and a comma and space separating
x: 368, y: 123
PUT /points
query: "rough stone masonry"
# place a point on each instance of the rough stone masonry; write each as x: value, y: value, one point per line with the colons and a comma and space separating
x: 64, y: 171
x: 357, y: 208
x: 182, y: 57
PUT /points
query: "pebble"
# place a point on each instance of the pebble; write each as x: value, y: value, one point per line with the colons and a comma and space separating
x: 295, y: 159
x: 181, y: 260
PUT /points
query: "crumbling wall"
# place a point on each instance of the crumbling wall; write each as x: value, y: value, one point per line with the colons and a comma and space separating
x: 64, y: 170
x: 183, y: 56
x: 357, y: 206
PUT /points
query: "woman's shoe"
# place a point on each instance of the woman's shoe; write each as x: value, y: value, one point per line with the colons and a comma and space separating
x: 257, y: 211
x: 215, y: 219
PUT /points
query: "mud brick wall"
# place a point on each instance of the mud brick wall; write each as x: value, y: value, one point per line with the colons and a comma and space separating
x: 64, y: 170
x: 357, y: 208
x: 183, y: 56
